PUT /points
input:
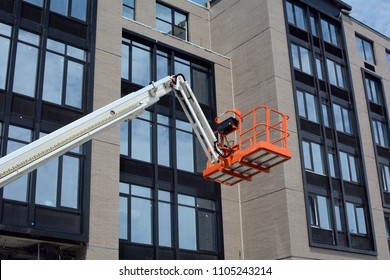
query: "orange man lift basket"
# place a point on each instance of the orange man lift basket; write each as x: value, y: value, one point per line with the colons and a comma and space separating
x: 260, y: 143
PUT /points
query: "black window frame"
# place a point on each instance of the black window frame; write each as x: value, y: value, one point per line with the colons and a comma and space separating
x: 172, y: 21
x: 365, y: 54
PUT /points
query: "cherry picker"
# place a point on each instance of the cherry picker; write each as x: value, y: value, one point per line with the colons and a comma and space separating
x: 242, y: 146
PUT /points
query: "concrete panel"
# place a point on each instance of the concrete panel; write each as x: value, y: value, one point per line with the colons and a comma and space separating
x: 266, y: 227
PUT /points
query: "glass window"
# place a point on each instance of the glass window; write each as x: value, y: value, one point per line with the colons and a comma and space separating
x: 60, y: 58
x: 388, y: 59
x: 319, y: 212
x: 387, y: 225
x: 332, y: 164
x: 164, y: 219
x: 163, y: 141
x: 35, y: 2
x: 171, y: 21
x: 123, y: 217
x: 162, y: 65
x: 184, y: 146
x: 313, y: 26
x: 313, y: 158
x: 47, y: 184
x: 70, y: 181
x: 141, y: 215
x: 140, y: 65
x: 385, y: 174
x: 17, y: 138
x: 128, y: 9
x: 124, y: 138
x: 365, y: 50
x: 329, y: 32
x: 5, y: 33
x: 301, y: 58
x: 141, y: 135
x: 70, y: 8
x: 338, y: 215
x: 325, y: 115
x: 342, y: 119
x: 307, y: 106
x: 319, y: 69
x: 356, y: 219
x: 196, y: 219
x: 348, y: 167
x: 335, y: 73
x: 136, y: 62
x: 380, y: 131
x: 295, y: 15
x: 26, y: 64
x: 373, y: 90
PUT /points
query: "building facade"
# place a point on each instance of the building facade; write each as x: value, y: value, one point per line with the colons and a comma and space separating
x: 136, y: 191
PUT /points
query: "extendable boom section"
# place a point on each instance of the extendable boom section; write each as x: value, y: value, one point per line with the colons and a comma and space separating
x: 229, y: 162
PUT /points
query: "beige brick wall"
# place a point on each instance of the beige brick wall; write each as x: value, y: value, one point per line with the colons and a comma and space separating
x: 103, y: 224
x: 380, y: 45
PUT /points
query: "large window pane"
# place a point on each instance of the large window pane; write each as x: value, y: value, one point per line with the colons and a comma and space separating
x: 323, y: 212
x: 17, y: 190
x: 123, y: 210
x: 305, y: 60
x: 124, y: 138
x: 141, y: 220
x: 206, y: 228
x: 125, y: 62
x: 54, y: 74
x: 201, y: 86
x: 141, y: 132
x: 385, y: 172
x: 59, y: 6
x: 184, y: 148
x: 351, y: 218
x: 361, y: 220
x: 164, y: 219
x: 70, y: 182
x: 163, y: 141
x: 79, y: 9
x: 4, y: 51
x: 47, y: 184
x: 74, y: 84
x: 25, y: 70
x: 187, y: 228
x: 140, y: 66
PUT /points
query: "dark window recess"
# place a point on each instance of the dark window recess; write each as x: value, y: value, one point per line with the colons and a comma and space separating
x: 136, y: 167
x: 59, y: 115
x: 2, y: 97
x: 14, y: 214
x: 322, y: 86
x: 313, y: 128
x: 340, y: 93
x: 334, y: 50
x: 7, y: 6
x: 189, y: 179
x: 127, y: 88
x: 165, y: 174
x: 342, y: 239
x: 346, y: 139
x: 329, y: 133
x: 360, y: 242
x: 304, y: 78
x: 68, y: 26
x: 383, y: 152
x: 61, y: 221
x: 134, y: 252
x: 22, y: 106
x: 316, y: 42
x: 369, y: 66
x: 386, y: 197
x: 353, y: 190
x: 299, y: 33
x: 316, y: 179
x: 336, y: 186
x: 322, y: 236
x: 31, y: 12
x: 377, y: 109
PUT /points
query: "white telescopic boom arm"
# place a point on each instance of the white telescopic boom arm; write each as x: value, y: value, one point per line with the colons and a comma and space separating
x: 57, y: 143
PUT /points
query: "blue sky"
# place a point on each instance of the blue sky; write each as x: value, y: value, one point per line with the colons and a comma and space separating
x: 374, y: 13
